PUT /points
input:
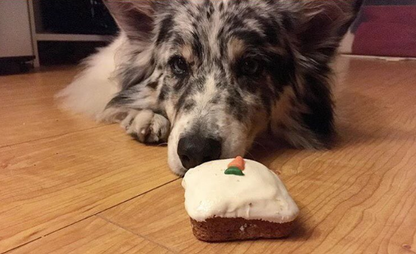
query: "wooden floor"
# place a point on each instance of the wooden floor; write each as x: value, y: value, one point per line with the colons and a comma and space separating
x: 69, y: 185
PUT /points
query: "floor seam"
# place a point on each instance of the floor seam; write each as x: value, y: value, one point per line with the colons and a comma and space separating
x: 141, y: 194
x: 97, y: 215
x: 134, y: 233
x: 53, y: 136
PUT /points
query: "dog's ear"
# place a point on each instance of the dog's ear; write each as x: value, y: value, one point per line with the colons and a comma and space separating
x: 325, y: 24
x: 134, y: 17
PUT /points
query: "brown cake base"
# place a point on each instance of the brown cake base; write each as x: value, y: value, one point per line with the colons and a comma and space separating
x: 232, y: 229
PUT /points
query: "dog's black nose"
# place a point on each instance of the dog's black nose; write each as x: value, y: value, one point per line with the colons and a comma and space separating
x: 194, y: 150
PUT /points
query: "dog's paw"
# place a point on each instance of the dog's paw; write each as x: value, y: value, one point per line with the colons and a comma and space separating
x: 146, y: 126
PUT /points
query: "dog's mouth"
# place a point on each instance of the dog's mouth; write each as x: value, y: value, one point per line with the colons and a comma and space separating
x: 195, y: 149
x: 190, y: 145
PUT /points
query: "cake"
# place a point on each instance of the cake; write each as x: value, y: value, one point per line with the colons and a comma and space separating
x: 237, y: 199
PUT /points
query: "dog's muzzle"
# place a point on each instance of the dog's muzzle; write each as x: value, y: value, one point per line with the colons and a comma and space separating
x: 194, y: 150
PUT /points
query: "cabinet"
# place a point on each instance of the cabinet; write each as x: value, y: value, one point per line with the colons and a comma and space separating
x: 15, y: 31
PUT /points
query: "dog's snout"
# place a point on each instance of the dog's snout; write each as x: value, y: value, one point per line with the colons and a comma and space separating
x: 194, y: 150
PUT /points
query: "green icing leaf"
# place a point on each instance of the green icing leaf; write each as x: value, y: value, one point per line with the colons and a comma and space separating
x: 233, y: 171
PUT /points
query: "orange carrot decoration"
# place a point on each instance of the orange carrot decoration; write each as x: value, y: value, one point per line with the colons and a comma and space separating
x: 238, y: 162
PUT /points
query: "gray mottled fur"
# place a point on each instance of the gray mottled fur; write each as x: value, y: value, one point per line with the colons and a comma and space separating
x: 291, y: 43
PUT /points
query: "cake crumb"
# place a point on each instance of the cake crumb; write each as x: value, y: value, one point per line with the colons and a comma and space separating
x: 243, y: 227
x: 407, y: 246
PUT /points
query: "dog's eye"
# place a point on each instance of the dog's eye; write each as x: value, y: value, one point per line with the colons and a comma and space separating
x: 250, y: 67
x: 178, y: 65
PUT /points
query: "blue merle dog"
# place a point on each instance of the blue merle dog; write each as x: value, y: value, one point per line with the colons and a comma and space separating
x: 209, y: 76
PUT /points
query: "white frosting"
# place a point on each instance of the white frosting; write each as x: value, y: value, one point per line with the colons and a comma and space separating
x: 260, y: 194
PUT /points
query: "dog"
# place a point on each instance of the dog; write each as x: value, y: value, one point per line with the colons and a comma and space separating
x: 209, y: 76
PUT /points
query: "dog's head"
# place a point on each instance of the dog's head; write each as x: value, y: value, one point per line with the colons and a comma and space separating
x: 222, y: 71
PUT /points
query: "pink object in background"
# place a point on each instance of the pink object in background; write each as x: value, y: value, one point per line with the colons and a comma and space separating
x: 387, y: 31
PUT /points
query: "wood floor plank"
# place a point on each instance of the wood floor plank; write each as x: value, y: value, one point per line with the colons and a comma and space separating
x: 48, y: 184
x: 358, y: 197
x: 28, y: 110
x: 57, y: 169
x: 93, y: 235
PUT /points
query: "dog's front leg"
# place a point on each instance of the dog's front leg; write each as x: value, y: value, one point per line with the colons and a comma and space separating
x: 146, y: 126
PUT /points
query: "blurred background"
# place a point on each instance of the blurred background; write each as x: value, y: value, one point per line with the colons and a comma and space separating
x: 383, y: 28
x: 37, y: 33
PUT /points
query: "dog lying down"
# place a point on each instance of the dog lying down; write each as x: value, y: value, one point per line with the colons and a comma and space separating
x: 209, y: 76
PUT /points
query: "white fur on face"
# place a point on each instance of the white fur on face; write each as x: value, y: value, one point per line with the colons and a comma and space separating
x: 138, y: 70
x: 214, y: 121
x: 174, y: 161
